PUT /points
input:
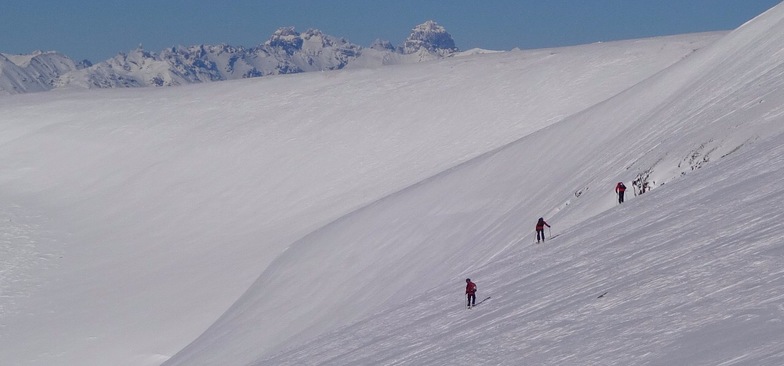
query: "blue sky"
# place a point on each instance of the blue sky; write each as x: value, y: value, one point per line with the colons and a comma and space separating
x: 97, y: 30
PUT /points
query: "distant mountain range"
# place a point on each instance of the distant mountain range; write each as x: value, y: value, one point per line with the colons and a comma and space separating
x: 285, y: 52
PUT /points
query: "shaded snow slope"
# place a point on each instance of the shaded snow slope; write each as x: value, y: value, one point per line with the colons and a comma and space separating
x: 680, y: 266
x: 136, y: 217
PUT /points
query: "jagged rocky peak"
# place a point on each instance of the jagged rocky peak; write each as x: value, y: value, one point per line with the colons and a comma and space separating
x: 83, y: 64
x: 382, y: 45
x: 200, y: 51
x: 431, y: 37
x: 137, y: 54
x: 286, y: 38
x: 286, y: 51
x: 319, y: 37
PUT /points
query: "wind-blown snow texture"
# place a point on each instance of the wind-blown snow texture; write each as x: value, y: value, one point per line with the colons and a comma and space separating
x: 332, y: 218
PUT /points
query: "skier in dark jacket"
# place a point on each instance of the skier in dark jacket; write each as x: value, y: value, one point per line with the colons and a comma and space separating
x: 620, y: 188
x: 470, y: 293
x: 540, y: 229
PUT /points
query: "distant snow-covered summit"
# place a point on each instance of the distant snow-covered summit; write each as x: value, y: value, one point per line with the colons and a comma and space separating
x: 33, y: 72
x: 431, y: 38
x: 285, y: 52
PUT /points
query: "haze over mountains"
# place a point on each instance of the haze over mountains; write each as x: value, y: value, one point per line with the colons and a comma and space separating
x: 331, y: 218
x: 285, y: 52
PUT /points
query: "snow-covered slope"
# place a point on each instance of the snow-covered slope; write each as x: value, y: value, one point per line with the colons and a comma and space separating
x: 137, y: 217
x: 32, y: 73
x: 132, y: 219
x: 687, y: 274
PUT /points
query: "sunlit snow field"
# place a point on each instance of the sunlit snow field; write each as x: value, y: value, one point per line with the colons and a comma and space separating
x: 331, y: 218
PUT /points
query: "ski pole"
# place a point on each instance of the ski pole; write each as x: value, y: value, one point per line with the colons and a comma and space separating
x: 549, y: 232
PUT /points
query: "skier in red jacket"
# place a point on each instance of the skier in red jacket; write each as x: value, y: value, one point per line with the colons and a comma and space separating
x: 620, y: 188
x: 470, y: 293
x: 540, y: 229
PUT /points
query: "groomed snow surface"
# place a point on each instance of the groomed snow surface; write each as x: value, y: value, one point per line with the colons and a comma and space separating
x: 332, y: 218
